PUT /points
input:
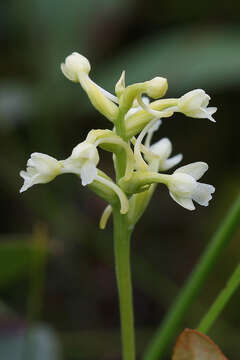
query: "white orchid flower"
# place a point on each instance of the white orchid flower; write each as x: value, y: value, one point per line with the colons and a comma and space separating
x: 184, y: 187
x: 41, y: 169
x: 195, y: 104
x: 163, y: 149
x: 83, y: 161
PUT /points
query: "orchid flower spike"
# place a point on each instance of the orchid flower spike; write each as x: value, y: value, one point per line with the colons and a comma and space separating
x: 195, y: 104
x: 184, y: 188
x: 41, y: 169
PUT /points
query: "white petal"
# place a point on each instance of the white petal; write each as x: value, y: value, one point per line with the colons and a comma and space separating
x: 198, y: 113
x: 196, y: 169
x: 24, y: 174
x: 192, y: 100
x: 28, y: 181
x: 202, y: 194
x: 66, y: 73
x: 155, y: 126
x: 88, y: 173
x: 212, y: 110
x: 181, y: 184
x: 140, y: 163
x: 169, y: 163
x: 184, y: 202
x: 203, y: 113
x: 151, y: 131
x: 205, y: 101
x: 162, y: 148
x: 199, y: 99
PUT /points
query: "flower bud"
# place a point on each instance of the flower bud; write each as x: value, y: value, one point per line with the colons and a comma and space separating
x: 75, y: 64
x: 157, y: 87
x: 120, y: 85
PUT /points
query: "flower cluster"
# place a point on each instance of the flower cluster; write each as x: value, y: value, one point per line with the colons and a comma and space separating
x: 139, y: 164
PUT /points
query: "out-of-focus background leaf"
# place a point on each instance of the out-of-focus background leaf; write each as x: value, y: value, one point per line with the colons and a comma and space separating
x: 37, y: 343
x: 66, y: 280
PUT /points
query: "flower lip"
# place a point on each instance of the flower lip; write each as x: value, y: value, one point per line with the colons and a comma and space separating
x: 41, y: 169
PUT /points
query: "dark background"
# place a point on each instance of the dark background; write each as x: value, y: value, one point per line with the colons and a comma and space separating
x: 56, y: 266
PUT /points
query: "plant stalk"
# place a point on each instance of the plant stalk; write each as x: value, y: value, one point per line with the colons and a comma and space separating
x: 122, y: 236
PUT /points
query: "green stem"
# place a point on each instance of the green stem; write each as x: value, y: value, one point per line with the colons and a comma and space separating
x: 170, y: 326
x: 122, y: 236
x: 222, y: 299
x: 120, y: 124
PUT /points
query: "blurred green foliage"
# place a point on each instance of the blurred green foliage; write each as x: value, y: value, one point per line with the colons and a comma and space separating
x: 193, y: 45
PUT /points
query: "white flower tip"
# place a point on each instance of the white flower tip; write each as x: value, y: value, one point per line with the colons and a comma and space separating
x: 74, y: 65
x: 210, y: 112
x: 179, y: 157
x: 157, y: 87
x: 171, y: 162
x: 203, y: 193
x: 195, y: 104
x: 120, y: 85
x: 41, y: 169
x: 25, y: 177
x: 25, y: 186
